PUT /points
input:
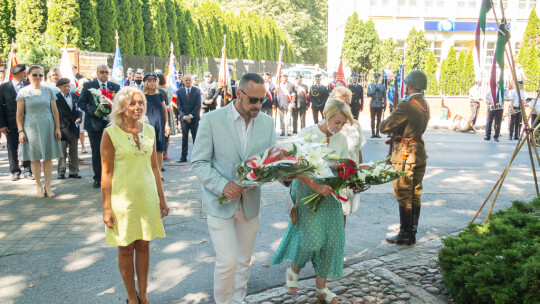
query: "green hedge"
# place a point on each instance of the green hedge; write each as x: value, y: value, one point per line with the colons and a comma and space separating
x: 498, y: 262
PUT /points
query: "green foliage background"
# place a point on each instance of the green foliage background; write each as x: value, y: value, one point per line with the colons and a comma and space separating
x: 147, y: 27
x: 498, y: 262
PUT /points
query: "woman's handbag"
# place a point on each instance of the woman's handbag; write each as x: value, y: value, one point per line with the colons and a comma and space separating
x: 294, y: 209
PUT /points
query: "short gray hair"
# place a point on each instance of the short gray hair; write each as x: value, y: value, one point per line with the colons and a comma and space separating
x: 54, y: 70
x: 102, y: 65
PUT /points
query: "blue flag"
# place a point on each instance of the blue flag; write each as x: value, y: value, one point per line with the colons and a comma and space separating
x: 118, y: 68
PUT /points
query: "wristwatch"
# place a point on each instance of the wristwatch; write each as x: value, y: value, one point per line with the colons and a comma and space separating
x: 20, y: 131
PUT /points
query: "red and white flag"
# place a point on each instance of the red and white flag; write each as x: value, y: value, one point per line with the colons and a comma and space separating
x: 224, y: 79
x: 11, y: 63
x: 278, y: 73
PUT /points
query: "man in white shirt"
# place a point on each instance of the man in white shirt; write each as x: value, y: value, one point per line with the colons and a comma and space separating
x: 535, y: 107
x: 52, y: 78
x: 494, y: 115
x: 475, y: 96
x: 229, y: 135
x: 515, y: 115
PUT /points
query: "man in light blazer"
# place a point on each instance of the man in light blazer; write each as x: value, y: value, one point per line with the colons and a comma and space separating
x: 232, y: 134
x: 188, y: 99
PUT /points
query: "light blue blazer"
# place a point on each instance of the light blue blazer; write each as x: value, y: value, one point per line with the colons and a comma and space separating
x: 217, y: 151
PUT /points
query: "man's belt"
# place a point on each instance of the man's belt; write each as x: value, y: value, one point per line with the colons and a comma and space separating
x: 408, y: 140
x: 405, y: 148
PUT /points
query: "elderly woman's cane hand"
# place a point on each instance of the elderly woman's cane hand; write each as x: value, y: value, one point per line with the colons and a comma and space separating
x: 108, y: 219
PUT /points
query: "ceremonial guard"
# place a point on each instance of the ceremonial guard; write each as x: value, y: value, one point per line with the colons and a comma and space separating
x: 494, y: 114
x: 377, y: 93
x: 269, y: 97
x: 407, y: 123
x: 318, y: 94
x: 515, y: 112
x: 209, y: 93
x: 357, y: 101
x: 285, y: 104
x: 179, y: 82
x: 300, y: 104
x: 129, y: 77
x: 332, y: 84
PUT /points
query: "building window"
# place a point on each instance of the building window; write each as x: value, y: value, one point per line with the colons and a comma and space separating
x: 401, y: 48
x: 526, y: 5
x: 490, y: 52
x: 435, y: 47
x: 435, y: 8
x: 408, y: 7
x: 461, y: 46
x: 466, y: 4
x: 381, y: 7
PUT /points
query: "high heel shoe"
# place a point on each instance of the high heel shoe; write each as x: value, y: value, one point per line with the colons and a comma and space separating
x: 292, y: 285
x: 326, y: 295
x: 49, y: 192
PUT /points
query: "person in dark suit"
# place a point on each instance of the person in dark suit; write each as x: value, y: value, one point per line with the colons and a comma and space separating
x: 189, y: 107
x: 209, y: 93
x: 300, y: 104
x: 94, y: 124
x: 8, y: 120
x: 70, y: 118
x: 357, y: 102
x: 270, y: 98
x: 318, y: 94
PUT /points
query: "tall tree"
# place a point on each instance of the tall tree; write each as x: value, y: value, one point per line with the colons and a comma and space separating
x: 362, y: 49
x: 108, y: 24
x: 161, y: 20
x: 185, y: 31
x: 468, y: 73
x: 171, y: 22
x: 430, y: 68
x: 416, y: 50
x: 90, y: 31
x: 152, y: 35
x: 64, y: 22
x: 390, y: 54
x: 532, y: 31
x: 351, y: 42
x: 449, y: 73
x: 125, y: 26
x: 7, y: 28
x: 30, y: 23
x: 139, y: 47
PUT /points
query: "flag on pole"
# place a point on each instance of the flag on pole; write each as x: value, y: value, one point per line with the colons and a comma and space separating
x: 171, y: 76
x: 224, y: 79
x: 118, y: 66
x: 340, y: 77
x: 484, y: 9
x: 401, y: 81
x: 498, y: 58
x: 11, y: 63
x: 278, y: 73
x: 66, y: 68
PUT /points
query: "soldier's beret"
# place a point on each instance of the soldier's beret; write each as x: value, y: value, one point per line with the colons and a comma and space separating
x: 318, y: 76
x: 354, y: 75
x: 207, y: 74
x: 376, y: 75
x: 63, y: 81
x: 18, y: 68
x: 179, y: 72
x: 140, y: 71
x: 149, y: 75
x: 130, y: 70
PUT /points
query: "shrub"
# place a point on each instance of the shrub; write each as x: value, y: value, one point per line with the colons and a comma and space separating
x: 498, y: 262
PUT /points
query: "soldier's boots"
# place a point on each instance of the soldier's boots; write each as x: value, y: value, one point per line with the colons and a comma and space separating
x: 406, y: 235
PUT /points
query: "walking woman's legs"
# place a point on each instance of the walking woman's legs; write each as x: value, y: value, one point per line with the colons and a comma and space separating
x: 142, y: 261
x: 125, y: 265
x: 47, y: 172
x: 36, y: 169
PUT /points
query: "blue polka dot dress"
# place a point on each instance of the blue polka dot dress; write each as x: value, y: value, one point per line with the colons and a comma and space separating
x: 319, y: 236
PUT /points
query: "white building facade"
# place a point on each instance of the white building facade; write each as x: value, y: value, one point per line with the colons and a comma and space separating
x: 445, y: 23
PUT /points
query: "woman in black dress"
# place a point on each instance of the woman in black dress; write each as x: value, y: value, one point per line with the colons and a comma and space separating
x: 156, y: 113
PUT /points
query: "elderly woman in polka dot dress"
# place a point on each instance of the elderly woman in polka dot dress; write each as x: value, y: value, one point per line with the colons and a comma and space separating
x: 319, y: 236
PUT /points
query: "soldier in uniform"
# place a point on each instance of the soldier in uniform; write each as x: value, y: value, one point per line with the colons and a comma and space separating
x: 209, y: 93
x: 129, y: 77
x: 318, y: 94
x: 300, y: 104
x: 332, y: 84
x: 357, y: 101
x: 179, y: 76
x: 407, y: 123
x: 377, y: 92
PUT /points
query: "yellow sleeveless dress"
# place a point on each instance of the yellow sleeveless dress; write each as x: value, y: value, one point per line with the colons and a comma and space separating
x: 134, y: 196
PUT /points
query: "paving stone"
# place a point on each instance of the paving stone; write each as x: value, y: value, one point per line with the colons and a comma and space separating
x: 339, y: 290
x: 302, y: 299
x: 405, y: 296
x: 433, y: 290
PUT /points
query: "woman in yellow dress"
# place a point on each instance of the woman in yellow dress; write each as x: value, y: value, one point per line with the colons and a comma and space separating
x: 131, y: 189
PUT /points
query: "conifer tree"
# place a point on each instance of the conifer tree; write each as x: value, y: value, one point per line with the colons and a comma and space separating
x: 161, y: 20
x: 7, y: 28
x: 171, y: 22
x: 430, y: 68
x: 30, y: 23
x: 126, y: 37
x: 138, y: 28
x: 185, y: 31
x: 152, y: 36
x: 390, y: 54
x: 64, y: 22
x: 108, y: 24
x: 468, y: 73
x: 416, y: 50
x: 449, y: 71
x: 532, y: 31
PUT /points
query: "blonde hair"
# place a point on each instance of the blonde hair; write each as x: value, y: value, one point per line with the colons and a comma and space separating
x: 337, y: 106
x: 121, y: 102
x: 145, y: 87
x: 342, y: 93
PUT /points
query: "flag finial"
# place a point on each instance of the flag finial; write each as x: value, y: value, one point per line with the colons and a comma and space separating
x: 65, y: 42
x: 172, y: 47
x: 116, y: 37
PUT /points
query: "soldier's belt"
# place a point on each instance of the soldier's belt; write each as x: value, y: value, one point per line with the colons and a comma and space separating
x: 408, y: 140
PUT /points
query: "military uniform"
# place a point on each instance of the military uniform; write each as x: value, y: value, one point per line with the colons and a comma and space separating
x: 357, y: 101
x: 318, y: 94
x: 300, y: 104
x: 408, y: 122
x: 377, y: 92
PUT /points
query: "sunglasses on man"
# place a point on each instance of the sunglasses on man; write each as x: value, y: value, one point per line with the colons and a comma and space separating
x: 252, y: 100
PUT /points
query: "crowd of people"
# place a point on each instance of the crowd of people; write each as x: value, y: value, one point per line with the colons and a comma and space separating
x: 129, y: 143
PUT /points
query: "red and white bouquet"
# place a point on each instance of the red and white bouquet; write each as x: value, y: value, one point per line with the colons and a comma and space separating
x: 282, y: 161
x: 103, y: 100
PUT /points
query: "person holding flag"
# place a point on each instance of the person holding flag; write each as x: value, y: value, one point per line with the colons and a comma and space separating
x: 300, y: 104
x: 118, y: 67
x: 357, y: 101
x: 285, y: 103
x: 269, y: 99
